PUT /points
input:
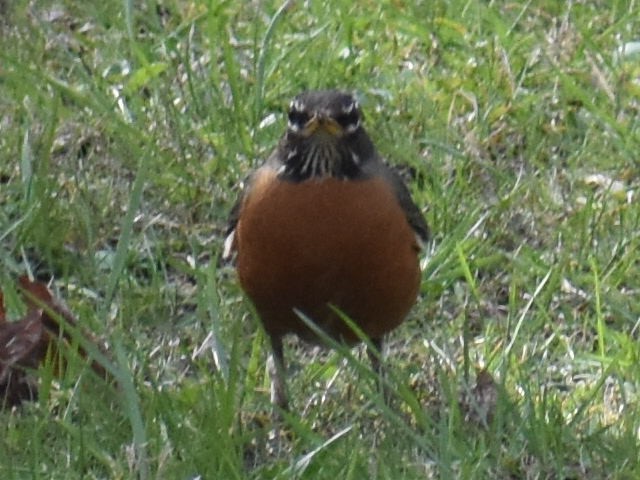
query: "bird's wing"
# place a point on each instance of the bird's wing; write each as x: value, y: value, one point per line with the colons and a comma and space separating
x: 229, y: 248
x: 411, y: 210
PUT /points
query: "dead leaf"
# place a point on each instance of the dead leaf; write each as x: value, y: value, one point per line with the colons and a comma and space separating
x: 25, y: 344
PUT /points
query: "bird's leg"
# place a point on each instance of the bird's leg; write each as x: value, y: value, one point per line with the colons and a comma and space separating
x: 375, y: 357
x: 275, y: 364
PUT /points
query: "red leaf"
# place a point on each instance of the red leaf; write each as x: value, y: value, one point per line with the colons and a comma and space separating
x: 26, y: 343
x: 3, y: 317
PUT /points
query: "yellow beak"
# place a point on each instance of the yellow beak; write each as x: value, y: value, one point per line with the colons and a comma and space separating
x: 327, y: 124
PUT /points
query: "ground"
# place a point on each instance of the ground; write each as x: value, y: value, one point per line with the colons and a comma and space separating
x: 127, y: 129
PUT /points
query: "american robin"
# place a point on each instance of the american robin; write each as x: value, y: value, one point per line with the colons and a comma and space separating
x: 324, y: 226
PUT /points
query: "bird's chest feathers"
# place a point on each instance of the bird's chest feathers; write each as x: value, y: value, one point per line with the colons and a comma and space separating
x: 311, y: 243
x: 332, y: 212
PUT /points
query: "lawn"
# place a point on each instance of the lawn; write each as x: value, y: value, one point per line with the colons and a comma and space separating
x: 126, y: 130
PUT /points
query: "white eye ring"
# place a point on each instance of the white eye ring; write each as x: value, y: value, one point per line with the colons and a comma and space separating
x: 294, y: 127
x: 296, y: 105
x: 347, y: 109
x: 352, y: 127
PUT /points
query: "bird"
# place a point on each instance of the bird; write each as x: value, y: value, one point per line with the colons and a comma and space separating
x: 325, y: 228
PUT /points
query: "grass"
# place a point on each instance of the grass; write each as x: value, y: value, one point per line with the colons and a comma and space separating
x: 127, y: 129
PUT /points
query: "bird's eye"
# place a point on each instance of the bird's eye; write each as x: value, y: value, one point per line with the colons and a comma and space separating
x: 298, y: 118
x: 349, y: 121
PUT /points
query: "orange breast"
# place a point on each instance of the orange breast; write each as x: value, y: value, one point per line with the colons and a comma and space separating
x: 341, y: 242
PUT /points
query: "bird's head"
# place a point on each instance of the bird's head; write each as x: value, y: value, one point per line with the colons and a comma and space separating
x: 332, y: 113
x: 324, y: 135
